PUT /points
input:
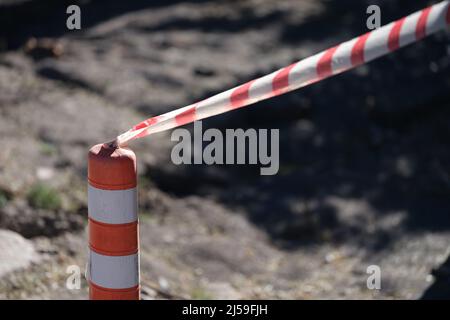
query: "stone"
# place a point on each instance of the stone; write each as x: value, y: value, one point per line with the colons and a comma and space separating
x: 16, y: 252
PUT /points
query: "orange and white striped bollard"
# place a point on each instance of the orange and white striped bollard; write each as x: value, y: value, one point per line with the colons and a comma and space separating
x: 113, y: 224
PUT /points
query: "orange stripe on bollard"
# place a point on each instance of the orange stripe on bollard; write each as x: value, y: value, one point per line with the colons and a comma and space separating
x: 98, y: 293
x: 113, y: 239
x: 112, y: 168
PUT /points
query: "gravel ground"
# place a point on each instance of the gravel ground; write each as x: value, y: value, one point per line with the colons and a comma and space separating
x: 364, y: 159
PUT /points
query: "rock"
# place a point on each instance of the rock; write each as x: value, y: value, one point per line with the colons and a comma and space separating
x: 15, y: 252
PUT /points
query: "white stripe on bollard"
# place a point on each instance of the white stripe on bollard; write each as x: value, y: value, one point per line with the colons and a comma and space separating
x: 112, y: 206
x: 114, y: 272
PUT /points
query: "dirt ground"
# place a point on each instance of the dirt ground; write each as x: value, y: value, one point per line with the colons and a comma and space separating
x: 364, y: 157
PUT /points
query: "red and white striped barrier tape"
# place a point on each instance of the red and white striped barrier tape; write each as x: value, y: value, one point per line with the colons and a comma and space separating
x: 333, y: 61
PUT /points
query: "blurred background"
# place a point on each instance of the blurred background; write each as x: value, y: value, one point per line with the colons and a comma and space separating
x: 364, y: 156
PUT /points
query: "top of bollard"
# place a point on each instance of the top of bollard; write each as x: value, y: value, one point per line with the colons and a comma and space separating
x: 111, y: 167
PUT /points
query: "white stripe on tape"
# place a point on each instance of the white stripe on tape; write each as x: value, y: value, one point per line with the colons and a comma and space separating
x: 112, y: 206
x: 217, y: 103
x: 114, y: 272
x: 304, y: 71
x: 262, y: 87
x: 408, y: 32
x: 436, y: 19
x: 377, y: 43
x: 342, y: 60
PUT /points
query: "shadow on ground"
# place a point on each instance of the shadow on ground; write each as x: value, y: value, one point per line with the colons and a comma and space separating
x: 377, y: 135
x: 440, y: 289
x: 20, y: 20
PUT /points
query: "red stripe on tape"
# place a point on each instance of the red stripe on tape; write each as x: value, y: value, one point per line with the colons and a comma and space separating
x: 394, y: 35
x: 186, y: 116
x: 281, y: 80
x: 421, y: 29
x: 240, y: 95
x: 147, y: 123
x: 324, y: 66
x: 141, y: 125
x: 358, y: 49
